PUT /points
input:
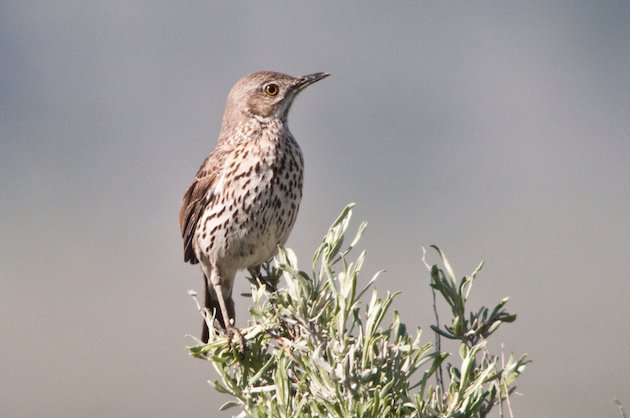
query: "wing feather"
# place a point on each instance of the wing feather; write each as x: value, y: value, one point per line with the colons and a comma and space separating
x: 197, y: 197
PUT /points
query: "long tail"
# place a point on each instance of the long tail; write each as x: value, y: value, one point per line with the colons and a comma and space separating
x: 205, y: 333
x: 212, y: 304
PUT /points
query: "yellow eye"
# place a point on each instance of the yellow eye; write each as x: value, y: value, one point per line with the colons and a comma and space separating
x: 272, y: 89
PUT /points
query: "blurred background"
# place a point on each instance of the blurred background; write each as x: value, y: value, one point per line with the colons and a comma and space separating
x: 496, y: 130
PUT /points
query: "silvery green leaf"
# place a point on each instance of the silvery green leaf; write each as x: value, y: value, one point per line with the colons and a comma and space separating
x: 228, y: 405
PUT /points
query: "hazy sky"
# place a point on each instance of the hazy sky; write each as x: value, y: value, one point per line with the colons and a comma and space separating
x: 497, y: 130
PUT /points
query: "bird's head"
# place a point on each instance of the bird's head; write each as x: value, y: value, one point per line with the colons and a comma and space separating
x: 266, y: 94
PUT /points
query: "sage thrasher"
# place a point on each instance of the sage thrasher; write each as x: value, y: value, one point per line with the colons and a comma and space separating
x: 245, y: 197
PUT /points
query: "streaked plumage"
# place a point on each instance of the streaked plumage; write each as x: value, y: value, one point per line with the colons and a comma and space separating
x: 245, y: 197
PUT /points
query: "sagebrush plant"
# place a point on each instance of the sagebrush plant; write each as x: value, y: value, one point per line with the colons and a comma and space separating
x: 314, y: 348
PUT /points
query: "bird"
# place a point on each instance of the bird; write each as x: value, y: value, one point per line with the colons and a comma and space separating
x: 244, y: 199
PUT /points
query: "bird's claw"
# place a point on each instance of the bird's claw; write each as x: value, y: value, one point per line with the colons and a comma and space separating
x: 235, y: 332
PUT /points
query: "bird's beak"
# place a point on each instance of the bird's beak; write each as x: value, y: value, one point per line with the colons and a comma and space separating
x: 307, y: 80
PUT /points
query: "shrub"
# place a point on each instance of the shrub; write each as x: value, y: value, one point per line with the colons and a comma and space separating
x: 315, y: 348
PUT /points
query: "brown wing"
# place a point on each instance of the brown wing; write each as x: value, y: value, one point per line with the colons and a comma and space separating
x: 196, y: 198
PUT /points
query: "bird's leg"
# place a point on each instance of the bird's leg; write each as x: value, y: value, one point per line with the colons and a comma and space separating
x: 216, y: 282
x: 269, y: 281
x: 254, y: 271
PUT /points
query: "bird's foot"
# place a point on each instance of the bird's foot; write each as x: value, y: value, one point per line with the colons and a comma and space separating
x: 232, y: 331
x: 269, y: 279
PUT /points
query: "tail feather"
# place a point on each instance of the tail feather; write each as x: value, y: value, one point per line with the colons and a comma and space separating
x: 205, y: 333
x: 212, y: 305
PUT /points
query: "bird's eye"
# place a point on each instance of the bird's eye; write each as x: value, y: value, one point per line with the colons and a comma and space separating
x: 272, y: 89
